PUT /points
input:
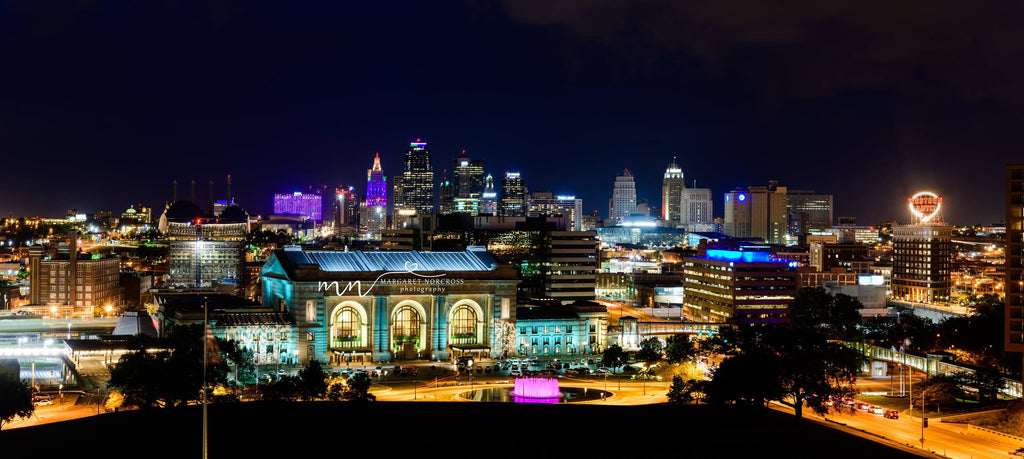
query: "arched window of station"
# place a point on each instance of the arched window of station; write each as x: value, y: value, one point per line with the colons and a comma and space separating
x: 346, y: 328
x: 405, y: 326
x: 463, y: 325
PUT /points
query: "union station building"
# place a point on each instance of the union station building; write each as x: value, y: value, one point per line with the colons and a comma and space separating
x: 384, y: 306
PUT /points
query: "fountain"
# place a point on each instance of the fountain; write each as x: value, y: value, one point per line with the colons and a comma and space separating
x: 541, y: 388
x: 535, y: 390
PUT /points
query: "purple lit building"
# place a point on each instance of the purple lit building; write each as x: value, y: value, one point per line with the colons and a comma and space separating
x: 375, y: 209
x: 299, y: 203
x: 746, y: 283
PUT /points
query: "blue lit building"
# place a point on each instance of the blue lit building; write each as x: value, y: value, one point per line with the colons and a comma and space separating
x: 387, y: 306
x: 556, y: 330
x: 745, y: 285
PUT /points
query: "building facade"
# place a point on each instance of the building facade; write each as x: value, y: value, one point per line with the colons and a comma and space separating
x: 544, y: 203
x: 673, y: 185
x: 417, y: 180
x: 921, y: 258
x: 748, y: 286
x: 623, y: 202
x: 813, y: 210
x: 513, y: 196
x: 1014, y: 282
x: 387, y: 306
x: 561, y: 330
x: 697, y: 207
x: 299, y: 203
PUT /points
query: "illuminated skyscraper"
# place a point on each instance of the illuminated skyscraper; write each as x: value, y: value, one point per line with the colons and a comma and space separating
x: 697, y: 207
x: 446, y: 195
x: 489, y: 197
x: 922, y: 253
x: 513, y: 196
x: 417, y: 180
x: 758, y: 211
x: 623, y: 202
x: 376, y: 185
x: 376, y: 199
x: 813, y: 210
x: 544, y: 203
x: 672, y: 188
x: 468, y: 176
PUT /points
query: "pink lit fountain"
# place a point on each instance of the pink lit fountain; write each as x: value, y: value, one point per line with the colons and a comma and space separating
x: 536, y: 390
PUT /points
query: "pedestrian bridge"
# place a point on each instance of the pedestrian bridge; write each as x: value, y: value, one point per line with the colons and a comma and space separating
x: 928, y: 364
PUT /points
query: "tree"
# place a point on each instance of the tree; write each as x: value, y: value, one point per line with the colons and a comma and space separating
x: 313, y: 380
x: 358, y: 389
x: 244, y: 360
x: 686, y: 392
x: 836, y: 316
x: 750, y: 378
x: 938, y: 389
x: 167, y: 378
x: 286, y: 388
x: 790, y: 366
x: 15, y: 398
x: 679, y: 348
x: 813, y: 369
x: 613, y: 356
x: 650, y: 350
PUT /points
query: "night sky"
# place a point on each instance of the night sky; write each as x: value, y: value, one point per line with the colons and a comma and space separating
x: 105, y: 103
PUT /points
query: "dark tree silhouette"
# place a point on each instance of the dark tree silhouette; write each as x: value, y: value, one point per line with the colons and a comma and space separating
x: 313, y: 380
x: 15, y: 398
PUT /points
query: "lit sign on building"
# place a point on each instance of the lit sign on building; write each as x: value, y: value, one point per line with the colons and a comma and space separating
x: 739, y: 255
x: 924, y: 206
x: 870, y: 280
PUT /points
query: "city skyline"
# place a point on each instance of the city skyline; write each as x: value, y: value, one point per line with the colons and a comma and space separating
x: 286, y: 99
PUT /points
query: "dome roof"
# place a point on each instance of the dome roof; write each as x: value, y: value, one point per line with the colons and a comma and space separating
x: 233, y: 214
x: 183, y: 211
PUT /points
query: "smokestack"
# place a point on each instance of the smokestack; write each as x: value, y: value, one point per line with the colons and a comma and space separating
x: 229, y: 189
x: 174, y: 192
x: 211, y: 197
x: 193, y: 192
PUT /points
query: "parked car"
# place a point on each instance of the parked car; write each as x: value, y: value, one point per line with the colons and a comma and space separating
x: 891, y: 414
x: 515, y: 373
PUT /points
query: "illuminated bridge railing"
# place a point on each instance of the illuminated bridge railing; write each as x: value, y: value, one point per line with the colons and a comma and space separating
x: 675, y: 328
x: 929, y: 365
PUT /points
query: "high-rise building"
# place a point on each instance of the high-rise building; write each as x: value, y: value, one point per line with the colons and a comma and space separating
x: 697, y: 207
x: 747, y: 285
x: 489, y: 197
x: 759, y: 212
x: 346, y: 207
x: 376, y: 199
x: 446, y: 195
x: 417, y: 180
x: 205, y: 252
x: 569, y: 264
x: 672, y: 188
x: 922, y: 253
x: 813, y: 211
x: 623, y: 202
x: 299, y: 203
x: 737, y: 214
x: 468, y: 177
x: 1013, y: 313
x: 544, y: 203
x: 513, y: 196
